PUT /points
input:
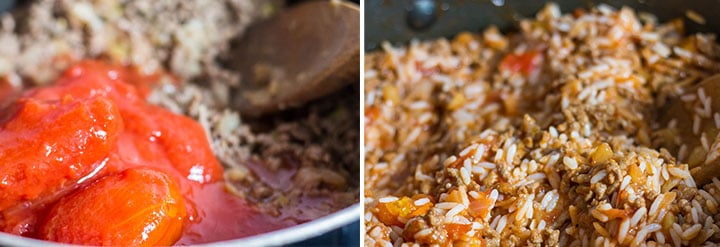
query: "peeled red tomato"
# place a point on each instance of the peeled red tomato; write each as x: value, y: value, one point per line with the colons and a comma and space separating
x: 138, y: 207
x: 88, y: 161
x: 40, y: 156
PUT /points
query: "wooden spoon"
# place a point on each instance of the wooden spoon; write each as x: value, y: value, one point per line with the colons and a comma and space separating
x: 703, y: 165
x: 303, y: 53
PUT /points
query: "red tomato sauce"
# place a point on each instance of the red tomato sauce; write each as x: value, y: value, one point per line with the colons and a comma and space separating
x: 64, y: 147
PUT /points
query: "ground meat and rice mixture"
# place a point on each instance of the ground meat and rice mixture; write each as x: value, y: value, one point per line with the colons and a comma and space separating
x: 545, y: 137
x: 300, y: 164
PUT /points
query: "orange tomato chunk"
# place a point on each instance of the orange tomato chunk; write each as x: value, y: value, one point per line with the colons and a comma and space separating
x: 405, y: 208
x: 137, y: 207
x: 524, y: 63
x: 457, y: 231
x: 480, y: 207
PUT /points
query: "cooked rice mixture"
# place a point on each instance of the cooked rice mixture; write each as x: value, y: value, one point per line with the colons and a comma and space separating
x: 298, y: 165
x: 545, y: 137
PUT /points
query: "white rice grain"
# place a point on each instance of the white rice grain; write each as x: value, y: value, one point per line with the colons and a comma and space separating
x: 450, y: 160
x: 423, y: 233
x: 494, y: 195
x: 498, y: 155
x: 599, y: 215
x: 675, y: 236
x: 689, y: 181
x: 696, y: 124
x: 421, y: 201
x: 639, y: 237
x: 447, y: 205
x: 495, y: 221
x: 704, y: 142
x: 412, y: 136
x: 553, y: 132
x: 678, y: 172
x: 599, y: 176
x: 660, y: 237
x: 388, y: 199
x: 570, y: 163
x: 623, y: 230
x: 691, y: 232
x: 639, y: 214
x: 501, y: 224
x: 707, y: 196
x: 465, y: 175
x: 463, y: 196
x: 487, y: 165
x: 694, y: 16
x: 683, y: 152
x: 474, y: 194
x: 656, y: 205
x: 652, y: 227
x: 479, y: 153
x: 625, y: 182
x: 454, y: 211
x: 467, y: 150
x: 511, y: 154
x: 688, y: 97
x: 541, y: 225
x: 419, y: 105
x: 536, y: 177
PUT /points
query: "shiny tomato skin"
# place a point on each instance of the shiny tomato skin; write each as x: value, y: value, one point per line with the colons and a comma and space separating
x: 137, y: 207
x: 140, y: 136
x: 183, y: 141
x: 180, y: 140
x: 49, y: 145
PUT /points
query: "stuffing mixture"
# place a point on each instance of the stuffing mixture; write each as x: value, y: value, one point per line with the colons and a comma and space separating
x: 550, y: 136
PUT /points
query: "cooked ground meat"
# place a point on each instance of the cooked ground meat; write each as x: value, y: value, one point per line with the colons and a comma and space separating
x: 286, y: 161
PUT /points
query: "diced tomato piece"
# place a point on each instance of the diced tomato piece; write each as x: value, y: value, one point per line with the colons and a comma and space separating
x: 454, y: 196
x: 390, y: 212
x: 424, y: 71
x: 480, y: 207
x: 524, y: 63
x: 138, y: 207
x: 636, y: 175
x: 371, y: 114
x: 456, y: 231
x: 421, y: 209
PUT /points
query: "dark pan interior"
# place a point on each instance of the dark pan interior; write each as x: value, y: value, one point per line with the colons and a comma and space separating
x: 392, y: 20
